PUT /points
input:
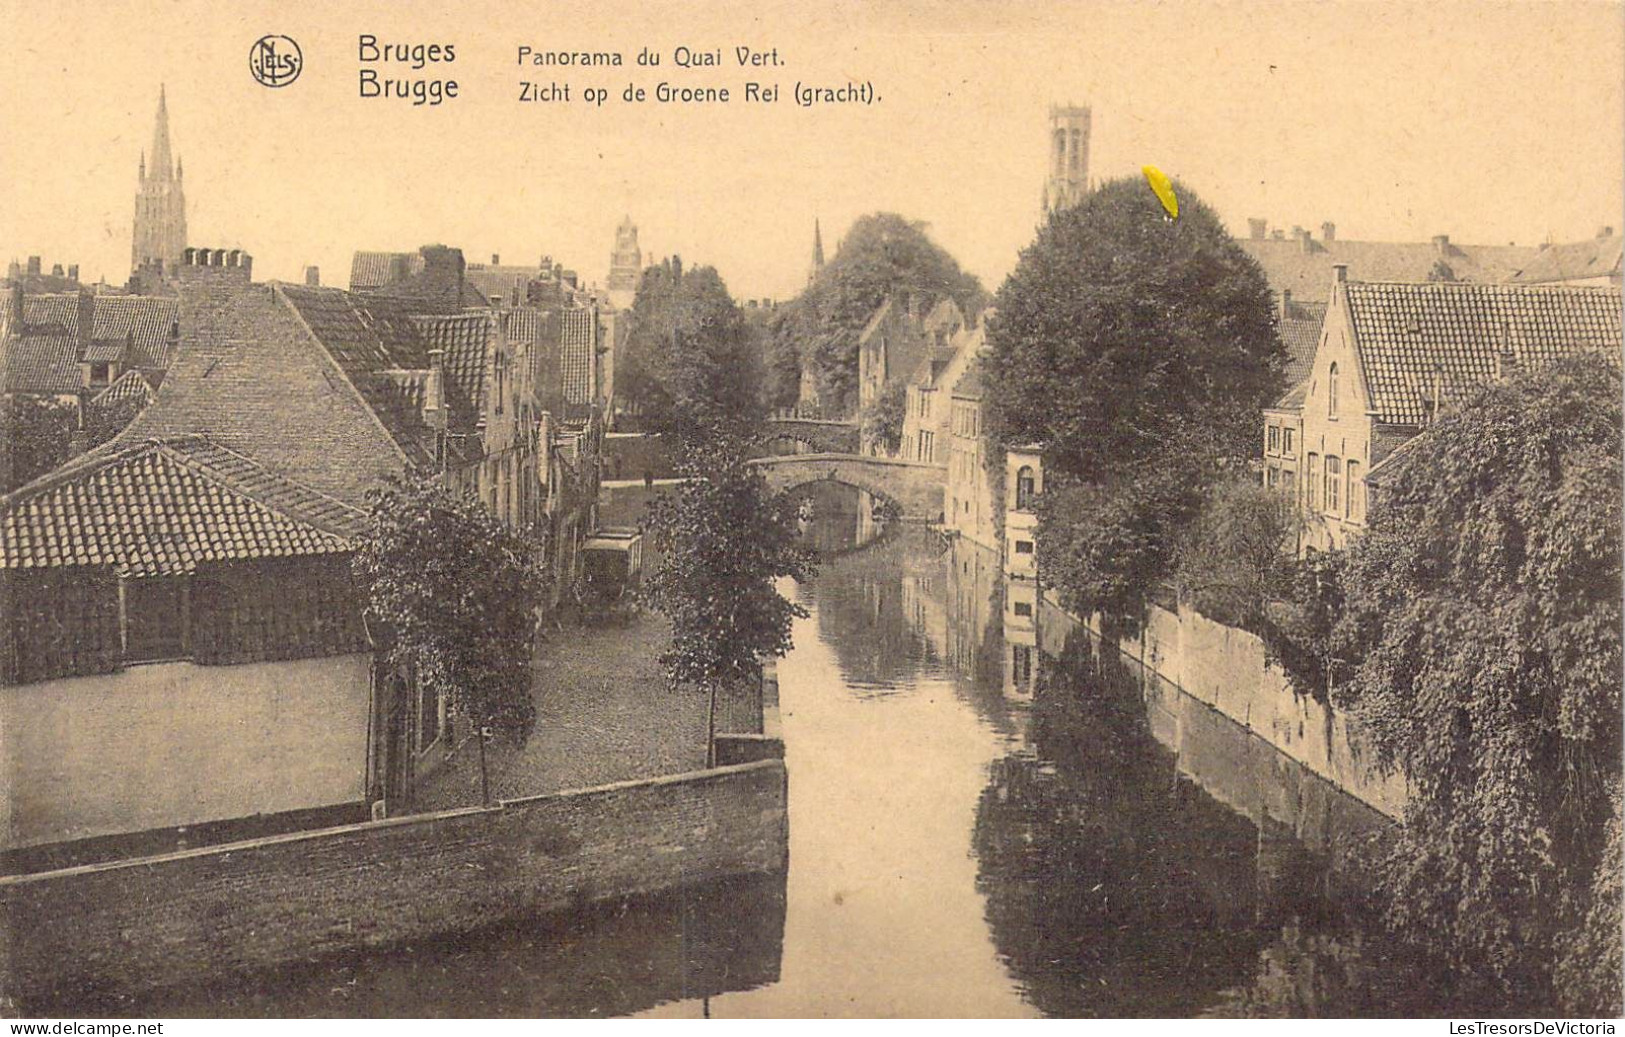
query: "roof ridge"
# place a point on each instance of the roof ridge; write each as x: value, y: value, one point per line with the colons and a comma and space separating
x: 272, y: 473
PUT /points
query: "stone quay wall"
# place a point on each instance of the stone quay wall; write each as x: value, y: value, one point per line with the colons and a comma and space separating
x: 245, y: 906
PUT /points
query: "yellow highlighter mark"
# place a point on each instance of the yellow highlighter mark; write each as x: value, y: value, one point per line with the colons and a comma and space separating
x: 1163, y: 188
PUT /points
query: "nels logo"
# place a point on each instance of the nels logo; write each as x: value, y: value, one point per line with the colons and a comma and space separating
x: 275, y: 60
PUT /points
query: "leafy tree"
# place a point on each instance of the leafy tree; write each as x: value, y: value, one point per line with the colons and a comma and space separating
x: 883, y: 255
x: 881, y: 423
x: 1482, y: 614
x: 456, y: 595
x: 1138, y: 350
x: 692, y: 364
x: 103, y: 423
x: 36, y: 435
x: 724, y: 537
x: 1230, y: 561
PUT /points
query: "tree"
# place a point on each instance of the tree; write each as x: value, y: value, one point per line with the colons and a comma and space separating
x: 455, y: 595
x: 882, y: 256
x: 36, y: 435
x: 1482, y: 617
x: 692, y: 364
x: 1138, y: 351
x: 881, y: 423
x: 724, y: 537
x: 1229, y: 562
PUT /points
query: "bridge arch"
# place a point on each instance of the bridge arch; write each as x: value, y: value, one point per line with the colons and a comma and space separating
x: 915, y: 487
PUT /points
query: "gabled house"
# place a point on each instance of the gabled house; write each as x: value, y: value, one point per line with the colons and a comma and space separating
x: 1594, y: 262
x: 1300, y: 325
x: 928, y: 407
x: 1392, y: 356
x: 897, y: 338
x: 190, y: 606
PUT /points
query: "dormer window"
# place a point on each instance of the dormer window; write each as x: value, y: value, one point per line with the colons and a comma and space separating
x: 100, y: 375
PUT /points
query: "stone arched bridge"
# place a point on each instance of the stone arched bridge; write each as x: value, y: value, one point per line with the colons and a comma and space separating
x: 916, y: 487
x: 817, y: 434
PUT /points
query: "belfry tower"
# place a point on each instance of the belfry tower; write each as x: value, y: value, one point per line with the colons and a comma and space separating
x: 625, y: 265
x: 1068, y: 158
x: 160, y: 205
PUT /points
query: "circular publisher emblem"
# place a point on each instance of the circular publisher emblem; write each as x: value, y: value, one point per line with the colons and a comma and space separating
x: 275, y: 60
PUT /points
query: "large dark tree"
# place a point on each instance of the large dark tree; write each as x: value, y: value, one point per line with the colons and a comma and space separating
x: 1481, y: 617
x: 1137, y: 350
x: 883, y: 255
x: 36, y: 435
x: 691, y: 363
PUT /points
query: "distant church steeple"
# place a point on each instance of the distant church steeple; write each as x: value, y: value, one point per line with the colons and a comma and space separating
x: 818, y: 253
x: 625, y: 264
x: 1068, y: 158
x: 160, y: 206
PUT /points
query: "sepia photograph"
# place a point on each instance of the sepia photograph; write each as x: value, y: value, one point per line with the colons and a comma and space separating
x: 912, y: 509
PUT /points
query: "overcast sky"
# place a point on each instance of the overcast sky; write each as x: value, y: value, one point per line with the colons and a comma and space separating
x: 1489, y: 123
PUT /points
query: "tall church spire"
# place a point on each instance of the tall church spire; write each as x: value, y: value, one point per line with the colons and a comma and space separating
x: 818, y: 252
x: 160, y: 206
x: 162, y: 166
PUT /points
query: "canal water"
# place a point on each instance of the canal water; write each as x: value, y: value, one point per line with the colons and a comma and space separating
x: 989, y: 816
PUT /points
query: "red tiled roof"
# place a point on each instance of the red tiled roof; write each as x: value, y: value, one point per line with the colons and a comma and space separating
x: 106, y: 351
x: 149, y: 322
x: 131, y: 385
x: 163, y: 507
x: 376, y: 269
x: 576, y: 345
x: 969, y: 386
x: 1411, y: 335
x: 466, y: 339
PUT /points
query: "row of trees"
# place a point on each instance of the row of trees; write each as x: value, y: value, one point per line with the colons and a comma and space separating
x: 1473, y: 632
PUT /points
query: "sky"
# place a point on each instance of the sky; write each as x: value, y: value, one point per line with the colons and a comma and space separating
x: 1489, y: 123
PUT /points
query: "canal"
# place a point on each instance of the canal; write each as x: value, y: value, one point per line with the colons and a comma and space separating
x: 990, y: 816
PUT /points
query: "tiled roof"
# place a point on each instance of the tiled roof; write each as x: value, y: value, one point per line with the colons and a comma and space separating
x: 131, y: 385
x: 1411, y: 335
x: 376, y: 269
x: 576, y: 359
x: 370, y: 338
x: 106, y: 351
x: 1300, y: 334
x: 466, y: 338
x: 1308, y: 275
x: 1294, y: 397
x: 163, y: 507
x: 1575, y: 261
x: 500, y: 281
x: 149, y: 322
x: 45, y: 365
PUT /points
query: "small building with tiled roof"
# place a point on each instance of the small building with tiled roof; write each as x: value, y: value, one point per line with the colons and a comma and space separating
x: 179, y: 596
x: 1392, y: 355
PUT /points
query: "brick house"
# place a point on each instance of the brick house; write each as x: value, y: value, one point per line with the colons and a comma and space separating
x: 181, y: 644
x: 1392, y: 355
x: 968, y: 498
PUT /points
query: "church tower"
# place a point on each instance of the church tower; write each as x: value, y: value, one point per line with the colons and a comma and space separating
x: 818, y: 253
x: 625, y: 265
x: 1068, y: 158
x: 160, y: 206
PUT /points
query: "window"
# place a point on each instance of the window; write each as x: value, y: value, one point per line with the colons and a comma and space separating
x: 1312, y: 485
x: 1021, y: 664
x: 1024, y: 608
x: 1356, y: 492
x: 1024, y: 547
x: 155, y: 618
x: 1274, y: 443
x: 1334, y: 483
x: 1286, y: 442
x: 1026, y: 486
x: 1331, y: 392
x: 99, y: 374
x: 1272, y: 477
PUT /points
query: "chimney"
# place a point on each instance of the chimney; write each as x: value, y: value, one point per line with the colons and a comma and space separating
x: 434, y: 398
x: 1328, y: 231
x: 86, y: 329
x: 1277, y: 235
x: 57, y: 271
x: 1340, y: 273
x: 1605, y: 232
x: 1306, y: 241
x: 313, y: 276
x: 1441, y: 244
x: 33, y: 266
x: 1286, y: 303
x: 73, y: 272
x: 14, y: 308
x: 496, y: 260
x: 1257, y: 229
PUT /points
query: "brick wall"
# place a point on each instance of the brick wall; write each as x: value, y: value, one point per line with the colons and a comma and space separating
x: 175, y: 918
